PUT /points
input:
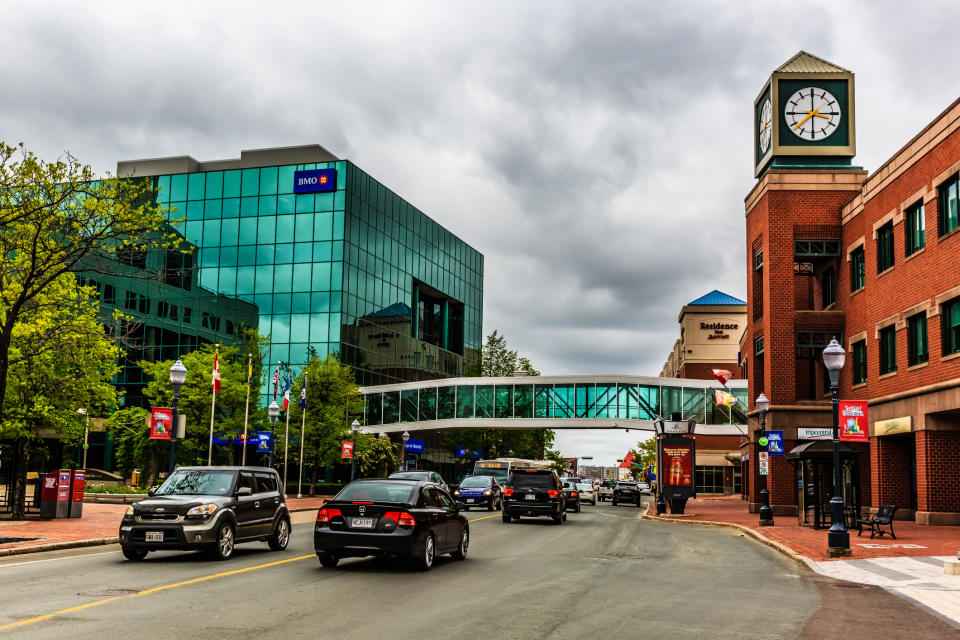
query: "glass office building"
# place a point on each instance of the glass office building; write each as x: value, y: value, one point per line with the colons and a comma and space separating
x: 346, y: 266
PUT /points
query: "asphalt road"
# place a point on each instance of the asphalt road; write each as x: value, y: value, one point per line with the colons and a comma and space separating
x: 603, y: 574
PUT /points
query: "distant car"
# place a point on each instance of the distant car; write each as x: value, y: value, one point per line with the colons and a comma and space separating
x: 644, y: 488
x: 587, y: 493
x: 605, y: 491
x: 423, y: 476
x: 400, y: 517
x: 478, y: 491
x: 626, y: 492
x: 572, y: 494
x: 210, y: 508
x: 534, y: 492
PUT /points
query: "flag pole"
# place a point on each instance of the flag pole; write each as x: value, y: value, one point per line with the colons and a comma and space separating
x: 213, y: 401
x: 286, y: 435
x: 303, y: 422
x: 246, y: 410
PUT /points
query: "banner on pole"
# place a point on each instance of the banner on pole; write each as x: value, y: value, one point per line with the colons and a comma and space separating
x: 264, y: 441
x: 853, y: 421
x: 775, y: 443
x: 346, y: 450
x: 161, y: 423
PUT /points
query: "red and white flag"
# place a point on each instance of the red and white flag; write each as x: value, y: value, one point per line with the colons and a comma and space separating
x: 216, y: 372
x: 722, y: 375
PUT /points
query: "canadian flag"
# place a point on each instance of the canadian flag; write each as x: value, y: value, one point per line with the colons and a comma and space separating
x: 722, y: 375
x: 216, y: 372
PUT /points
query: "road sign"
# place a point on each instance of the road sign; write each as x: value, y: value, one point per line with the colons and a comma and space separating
x: 764, y: 459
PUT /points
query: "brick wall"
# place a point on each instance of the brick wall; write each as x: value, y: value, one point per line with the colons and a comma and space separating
x: 938, y: 461
x: 890, y: 459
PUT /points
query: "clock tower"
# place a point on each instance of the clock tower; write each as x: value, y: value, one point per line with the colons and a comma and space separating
x: 804, y: 116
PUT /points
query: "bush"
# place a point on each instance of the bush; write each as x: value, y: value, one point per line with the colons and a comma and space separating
x: 100, y: 489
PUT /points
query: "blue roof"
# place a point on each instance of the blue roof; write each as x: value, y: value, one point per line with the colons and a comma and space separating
x: 394, y: 310
x: 717, y: 298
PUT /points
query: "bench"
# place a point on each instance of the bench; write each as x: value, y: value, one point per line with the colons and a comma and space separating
x: 882, y: 518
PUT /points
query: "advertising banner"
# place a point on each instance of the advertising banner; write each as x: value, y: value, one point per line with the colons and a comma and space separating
x: 161, y: 421
x: 346, y: 450
x: 678, y: 463
x: 853, y: 421
x: 264, y: 441
x: 775, y: 443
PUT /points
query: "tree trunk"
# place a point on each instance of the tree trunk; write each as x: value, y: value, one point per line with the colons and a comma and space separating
x: 18, y: 488
x: 4, y: 364
x: 313, y: 474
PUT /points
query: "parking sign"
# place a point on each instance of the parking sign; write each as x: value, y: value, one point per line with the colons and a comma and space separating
x: 764, y: 459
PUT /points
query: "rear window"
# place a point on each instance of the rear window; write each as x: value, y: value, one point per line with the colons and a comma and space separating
x: 532, y: 480
x: 380, y: 491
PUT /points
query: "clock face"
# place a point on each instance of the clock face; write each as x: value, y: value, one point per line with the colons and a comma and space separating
x: 765, y: 125
x: 812, y: 113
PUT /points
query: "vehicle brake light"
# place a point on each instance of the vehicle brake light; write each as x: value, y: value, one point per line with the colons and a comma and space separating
x: 402, y: 518
x: 508, y: 492
x: 573, y: 495
x: 326, y: 515
x: 553, y: 493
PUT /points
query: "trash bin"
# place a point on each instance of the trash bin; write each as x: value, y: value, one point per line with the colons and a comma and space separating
x: 135, y: 478
x: 55, y: 494
x: 78, y: 483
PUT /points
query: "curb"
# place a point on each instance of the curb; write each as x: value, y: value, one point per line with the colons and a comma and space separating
x: 92, y: 542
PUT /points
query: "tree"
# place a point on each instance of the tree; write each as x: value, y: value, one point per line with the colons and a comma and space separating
x: 57, y: 218
x: 47, y: 385
x: 644, y: 456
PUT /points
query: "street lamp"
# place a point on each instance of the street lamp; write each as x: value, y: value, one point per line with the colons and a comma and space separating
x: 838, y: 539
x: 766, y: 514
x: 273, y: 411
x: 86, y: 434
x: 355, y: 427
x: 403, y: 451
x: 178, y: 375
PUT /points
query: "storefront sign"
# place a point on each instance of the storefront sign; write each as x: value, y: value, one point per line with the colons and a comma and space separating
x: 346, y: 450
x: 315, y: 181
x: 161, y: 421
x: 814, y: 433
x: 415, y: 445
x: 764, y: 459
x: 775, y: 443
x: 892, y: 426
x: 853, y: 421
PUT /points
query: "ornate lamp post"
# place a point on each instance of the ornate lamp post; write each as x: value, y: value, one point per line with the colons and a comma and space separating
x: 838, y: 539
x: 766, y: 514
x: 273, y: 411
x: 355, y: 427
x: 403, y: 451
x: 178, y: 375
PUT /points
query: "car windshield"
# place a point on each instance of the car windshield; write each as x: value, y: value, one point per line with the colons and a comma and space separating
x: 532, y: 480
x: 412, y: 475
x: 183, y: 483
x: 475, y: 481
x: 380, y: 491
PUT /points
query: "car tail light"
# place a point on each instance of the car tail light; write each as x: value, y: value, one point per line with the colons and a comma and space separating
x: 573, y: 495
x: 553, y: 493
x: 326, y: 515
x: 402, y: 518
x: 508, y: 492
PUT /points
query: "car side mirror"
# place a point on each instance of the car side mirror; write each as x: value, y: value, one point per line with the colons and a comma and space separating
x: 244, y: 491
x: 152, y: 491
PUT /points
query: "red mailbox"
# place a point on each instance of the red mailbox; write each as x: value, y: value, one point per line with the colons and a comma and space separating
x: 77, y: 485
x: 55, y: 494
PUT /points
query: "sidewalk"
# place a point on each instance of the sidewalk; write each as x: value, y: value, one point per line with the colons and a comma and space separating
x: 910, y: 566
x: 98, y: 525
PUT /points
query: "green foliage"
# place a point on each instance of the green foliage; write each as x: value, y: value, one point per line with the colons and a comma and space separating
x: 644, y: 455
x: 113, y: 490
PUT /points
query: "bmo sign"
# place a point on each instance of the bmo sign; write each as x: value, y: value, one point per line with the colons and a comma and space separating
x: 315, y: 180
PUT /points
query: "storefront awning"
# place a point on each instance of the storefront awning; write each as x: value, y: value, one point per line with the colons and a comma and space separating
x: 817, y: 448
x: 712, y: 460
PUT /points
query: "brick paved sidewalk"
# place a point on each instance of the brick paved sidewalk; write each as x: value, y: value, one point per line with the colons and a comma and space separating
x: 98, y: 525
x: 912, y: 539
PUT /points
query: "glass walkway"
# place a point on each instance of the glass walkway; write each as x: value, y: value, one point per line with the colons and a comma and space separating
x: 554, y: 402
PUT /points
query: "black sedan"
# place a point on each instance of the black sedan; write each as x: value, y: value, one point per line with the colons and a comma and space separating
x: 626, y: 492
x: 392, y: 517
x: 573, y: 496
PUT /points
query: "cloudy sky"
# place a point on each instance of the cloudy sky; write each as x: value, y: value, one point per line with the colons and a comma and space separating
x: 597, y: 153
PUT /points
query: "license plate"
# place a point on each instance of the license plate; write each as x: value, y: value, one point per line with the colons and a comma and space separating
x: 154, y: 536
x: 470, y: 500
x: 531, y: 496
x: 362, y: 523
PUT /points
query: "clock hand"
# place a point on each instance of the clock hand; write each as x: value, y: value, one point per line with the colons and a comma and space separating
x: 820, y: 115
x: 809, y: 115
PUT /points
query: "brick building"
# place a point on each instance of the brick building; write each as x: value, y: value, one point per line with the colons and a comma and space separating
x: 873, y: 260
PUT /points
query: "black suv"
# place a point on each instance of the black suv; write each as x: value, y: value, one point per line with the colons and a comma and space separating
x: 626, y: 492
x: 209, y: 508
x: 534, y: 492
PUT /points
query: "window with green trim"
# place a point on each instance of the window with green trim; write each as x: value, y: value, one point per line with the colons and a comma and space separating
x: 888, y: 349
x: 950, y: 311
x: 948, y: 215
x: 858, y: 276
x: 917, y: 339
x: 859, y: 362
x: 915, y: 228
x: 885, y: 247
x: 828, y: 287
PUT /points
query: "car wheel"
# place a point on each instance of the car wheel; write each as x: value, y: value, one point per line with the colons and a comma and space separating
x: 225, y: 542
x: 281, y: 535
x: 490, y: 504
x: 505, y: 517
x: 132, y: 553
x: 614, y: 502
x: 558, y: 519
x: 425, y: 561
x: 327, y: 559
x: 461, y: 552
x: 576, y: 509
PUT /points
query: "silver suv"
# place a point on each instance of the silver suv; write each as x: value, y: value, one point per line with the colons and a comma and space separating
x: 210, y: 508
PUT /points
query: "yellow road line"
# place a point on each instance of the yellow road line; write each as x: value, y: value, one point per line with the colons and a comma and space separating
x: 97, y: 603
x: 483, y: 518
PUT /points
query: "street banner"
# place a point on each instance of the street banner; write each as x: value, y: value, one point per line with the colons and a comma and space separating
x: 764, y: 458
x: 724, y: 398
x: 853, y: 421
x: 264, y: 441
x: 346, y: 450
x: 161, y: 421
x: 775, y: 443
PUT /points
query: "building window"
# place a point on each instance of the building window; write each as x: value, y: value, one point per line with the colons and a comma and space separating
x: 758, y: 364
x: 885, y: 247
x: 858, y: 276
x: 758, y: 285
x: 888, y: 349
x: 828, y: 287
x: 709, y: 479
x: 947, y: 206
x: 951, y: 326
x: 859, y: 362
x: 917, y: 339
x: 915, y: 228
